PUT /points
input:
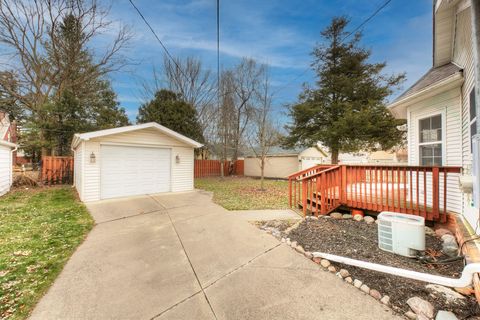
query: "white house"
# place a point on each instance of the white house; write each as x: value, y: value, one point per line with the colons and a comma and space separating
x: 132, y: 160
x: 6, y: 170
x: 440, y: 106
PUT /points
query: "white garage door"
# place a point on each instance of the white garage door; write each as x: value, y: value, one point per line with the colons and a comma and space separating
x: 127, y: 171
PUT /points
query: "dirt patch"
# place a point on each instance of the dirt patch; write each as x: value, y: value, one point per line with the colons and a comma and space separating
x: 359, y: 241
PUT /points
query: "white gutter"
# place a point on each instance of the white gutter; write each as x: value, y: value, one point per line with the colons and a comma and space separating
x: 450, y: 82
x: 464, y: 281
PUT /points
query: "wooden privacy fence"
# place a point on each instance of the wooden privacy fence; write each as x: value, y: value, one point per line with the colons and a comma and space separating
x: 57, y: 170
x: 212, y: 168
x: 430, y: 192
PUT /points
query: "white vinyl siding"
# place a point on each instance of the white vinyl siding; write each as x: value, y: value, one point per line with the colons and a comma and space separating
x: 5, y: 169
x: 463, y: 56
x: 448, y: 105
x: 181, y: 173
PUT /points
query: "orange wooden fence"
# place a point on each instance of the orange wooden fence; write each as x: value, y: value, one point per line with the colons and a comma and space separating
x: 212, y: 168
x: 416, y: 190
x: 57, y: 170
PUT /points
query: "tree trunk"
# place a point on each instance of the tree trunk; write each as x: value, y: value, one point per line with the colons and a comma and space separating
x: 334, y: 156
x: 262, y: 169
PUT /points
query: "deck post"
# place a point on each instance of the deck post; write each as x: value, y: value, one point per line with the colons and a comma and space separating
x: 435, y: 192
x: 304, y: 196
x: 343, y: 184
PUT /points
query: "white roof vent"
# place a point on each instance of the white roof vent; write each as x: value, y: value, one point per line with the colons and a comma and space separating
x: 400, y: 233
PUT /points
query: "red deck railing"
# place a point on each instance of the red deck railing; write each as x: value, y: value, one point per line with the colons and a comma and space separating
x: 430, y: 192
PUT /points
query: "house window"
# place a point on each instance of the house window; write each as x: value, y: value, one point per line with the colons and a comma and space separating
x: 473, y: 117
x: 431, y: 141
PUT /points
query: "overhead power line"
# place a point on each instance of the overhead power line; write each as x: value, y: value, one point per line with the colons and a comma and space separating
x: 364, y: 22
x: 367, y: 20
x: 158, y: 39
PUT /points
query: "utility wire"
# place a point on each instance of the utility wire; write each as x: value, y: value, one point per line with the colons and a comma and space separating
x: 158, y: 39
x: 367, y: 20
x: 380, y: 8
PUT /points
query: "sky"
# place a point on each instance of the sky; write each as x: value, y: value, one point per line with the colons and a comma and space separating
x: 280, y: 33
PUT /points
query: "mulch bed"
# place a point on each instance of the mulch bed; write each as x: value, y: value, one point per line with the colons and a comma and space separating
x: 358, y: 240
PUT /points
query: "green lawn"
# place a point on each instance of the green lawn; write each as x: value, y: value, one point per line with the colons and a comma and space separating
x: 39, y: 230
x: 241, y: 193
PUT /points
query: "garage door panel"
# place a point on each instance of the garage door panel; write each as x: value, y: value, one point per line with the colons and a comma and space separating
x: 127, y: 170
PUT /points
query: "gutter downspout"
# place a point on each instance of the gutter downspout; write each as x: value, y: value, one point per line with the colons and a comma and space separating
x: 11, y: 163
x: 464, y: 281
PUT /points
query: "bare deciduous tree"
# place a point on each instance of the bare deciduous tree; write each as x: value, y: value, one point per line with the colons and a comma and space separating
x: 246, y: 79
x: 264, y: 134
x: 29, y: 30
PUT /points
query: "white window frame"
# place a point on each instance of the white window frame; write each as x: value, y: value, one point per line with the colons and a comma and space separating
x: 441, y: 141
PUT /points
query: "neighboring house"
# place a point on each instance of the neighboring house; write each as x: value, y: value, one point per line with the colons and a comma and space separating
x: 280, y: 163
x: 6, y: 165
x: 7, y: 150
x: 440, y: 106
x: 132, y: 160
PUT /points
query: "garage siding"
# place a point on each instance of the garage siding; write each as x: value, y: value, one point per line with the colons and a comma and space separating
x: 5, y: 169
x: 182, y: 173
x: 78, y: 162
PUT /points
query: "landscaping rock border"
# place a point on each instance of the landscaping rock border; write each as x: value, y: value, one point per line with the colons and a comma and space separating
x: 419, y: 308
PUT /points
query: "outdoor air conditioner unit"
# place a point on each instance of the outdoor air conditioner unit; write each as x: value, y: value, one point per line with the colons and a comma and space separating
x: 400, y: 233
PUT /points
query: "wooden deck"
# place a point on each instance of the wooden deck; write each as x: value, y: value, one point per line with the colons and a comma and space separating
x: 413, y: 190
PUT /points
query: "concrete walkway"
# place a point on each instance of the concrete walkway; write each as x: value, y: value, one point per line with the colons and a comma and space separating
x: 265, y: 215
x: 183, y: 257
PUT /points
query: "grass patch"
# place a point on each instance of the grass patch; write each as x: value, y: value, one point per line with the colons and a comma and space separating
x: 241, y: 193
x: 39, y: 231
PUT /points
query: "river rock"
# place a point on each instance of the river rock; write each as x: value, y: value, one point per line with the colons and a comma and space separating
x: 410, y: 315
x: 332, y: 269
x: 365, y: 288
x: 369, y: 220
x: 308, y: 255
x: 445, y: 315
x: 374, y: 293
x: 293, y: 244
x: 325, y: 263
x: 448, y: 238
x: 344, y: 273
x: 442, y: 231
x: 429, y: 231
x: 336, y: 215
x: 348, y: 280
x: 449, y: 294
x: 385, y: 300
x: 357, y: 283
x: 421, y: 307
x: 450, y: 249
x: 358, y: 217
x: 347, y: 216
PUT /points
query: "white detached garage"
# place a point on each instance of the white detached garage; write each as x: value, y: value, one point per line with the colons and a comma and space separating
x: 133, y: 160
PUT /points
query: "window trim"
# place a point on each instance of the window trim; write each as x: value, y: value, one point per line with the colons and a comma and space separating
x: 442, y: 141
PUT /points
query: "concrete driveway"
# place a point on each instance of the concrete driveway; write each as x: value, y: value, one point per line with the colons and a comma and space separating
x: 183, y: 257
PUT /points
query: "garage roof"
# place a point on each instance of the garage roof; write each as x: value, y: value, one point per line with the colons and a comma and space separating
x: 78, y: 137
